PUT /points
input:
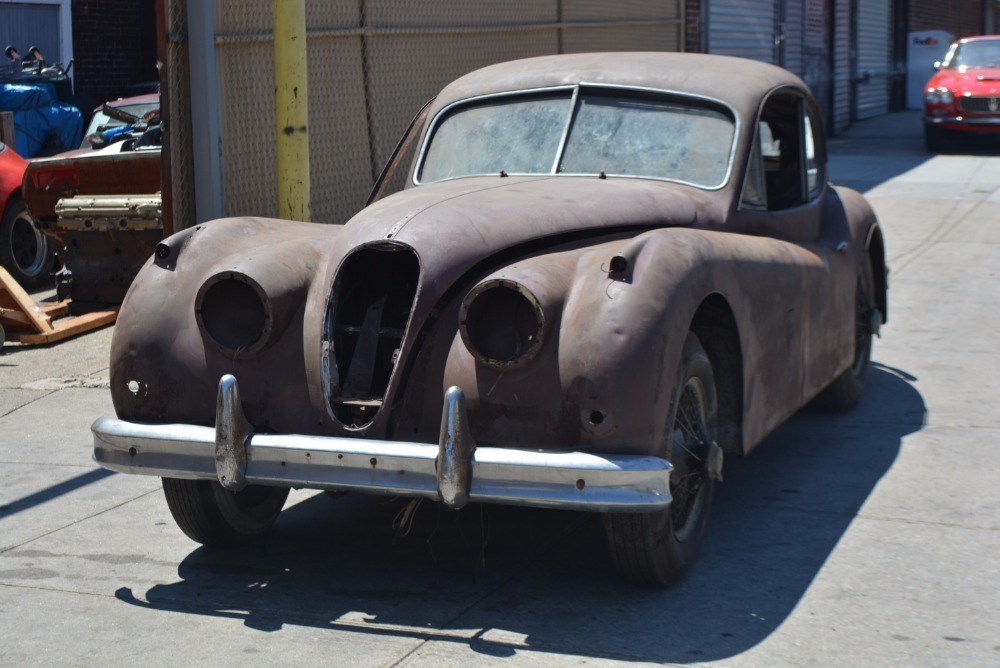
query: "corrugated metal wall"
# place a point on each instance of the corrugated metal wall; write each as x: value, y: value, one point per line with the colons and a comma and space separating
x: 793, y: 32
x: 874, y: 59
x: 25, y: 25
x: 372, y: 65
x: 744, y: 28
x: 841, y: 66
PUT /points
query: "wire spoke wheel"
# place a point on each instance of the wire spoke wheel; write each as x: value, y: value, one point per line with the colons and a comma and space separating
x: 689, y: 451
x: 845, y: 391
x: 657, y: 548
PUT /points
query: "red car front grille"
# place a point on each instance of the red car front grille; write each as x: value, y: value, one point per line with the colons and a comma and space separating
x: 981, y: 105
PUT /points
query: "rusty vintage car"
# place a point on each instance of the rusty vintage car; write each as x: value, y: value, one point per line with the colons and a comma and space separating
x: 600, y: 274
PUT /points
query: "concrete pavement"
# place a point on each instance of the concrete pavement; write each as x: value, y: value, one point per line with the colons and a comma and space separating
x: 865, y: 539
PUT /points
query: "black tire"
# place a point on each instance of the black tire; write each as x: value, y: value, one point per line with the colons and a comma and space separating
x: 215, y: 517
x: 24, y: 251
x: 934, y: 139
x: 656, y: 549
x: 845, y: 392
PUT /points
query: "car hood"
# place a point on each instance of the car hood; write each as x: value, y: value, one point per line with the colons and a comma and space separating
x: 978, y: 81
x: 453, y: 225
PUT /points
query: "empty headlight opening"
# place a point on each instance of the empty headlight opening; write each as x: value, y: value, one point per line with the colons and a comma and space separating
x: 502, y: 324
x: 234, y: 313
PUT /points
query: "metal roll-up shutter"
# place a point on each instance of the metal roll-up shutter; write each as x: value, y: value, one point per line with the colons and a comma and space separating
x: 744, y: 28
x: 24, y: 26
x: 874, y: 48
x: 841, y: 66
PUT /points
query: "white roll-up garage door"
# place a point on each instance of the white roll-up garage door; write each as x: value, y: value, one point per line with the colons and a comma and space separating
x: 743, y: 28
x: 874, y: 44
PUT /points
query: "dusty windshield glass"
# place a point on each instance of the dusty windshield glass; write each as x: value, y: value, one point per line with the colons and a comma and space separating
x: 514, y: 134
x: 618, y: 132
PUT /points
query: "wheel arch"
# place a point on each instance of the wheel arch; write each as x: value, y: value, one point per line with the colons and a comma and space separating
x: 875, y: 249
x: 715, y: 326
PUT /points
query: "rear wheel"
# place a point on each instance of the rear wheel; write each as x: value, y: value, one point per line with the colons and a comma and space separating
x: 655, y: 549
x: 845, y: 392
x: 24, y: 251
x: 211, y: 515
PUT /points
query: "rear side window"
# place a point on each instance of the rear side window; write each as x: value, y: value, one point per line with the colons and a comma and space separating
x: 785, y: 168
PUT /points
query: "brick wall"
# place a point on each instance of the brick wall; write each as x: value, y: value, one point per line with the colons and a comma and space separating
x: 962, y: 18
x: 114, y: 47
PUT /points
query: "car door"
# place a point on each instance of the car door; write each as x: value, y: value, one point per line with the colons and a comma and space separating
x: 785, y: 196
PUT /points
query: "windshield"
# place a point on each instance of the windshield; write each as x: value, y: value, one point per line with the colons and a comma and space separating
x: 612, y: 131
x: 980, y: 53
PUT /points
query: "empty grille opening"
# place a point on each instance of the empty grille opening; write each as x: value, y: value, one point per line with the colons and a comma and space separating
x: 370, y: 306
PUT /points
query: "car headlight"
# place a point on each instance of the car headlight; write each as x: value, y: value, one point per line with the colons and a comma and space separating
x: 939, y: 96
x: 501, y: 323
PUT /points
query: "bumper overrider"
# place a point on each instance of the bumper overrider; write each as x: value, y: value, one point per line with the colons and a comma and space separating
x: 454, y: 472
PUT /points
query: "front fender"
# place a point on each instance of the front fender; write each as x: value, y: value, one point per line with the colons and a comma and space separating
x: 164, y: 368
x: 603, y: 377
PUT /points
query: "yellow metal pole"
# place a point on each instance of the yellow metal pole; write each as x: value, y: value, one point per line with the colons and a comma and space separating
x: 291, y: 100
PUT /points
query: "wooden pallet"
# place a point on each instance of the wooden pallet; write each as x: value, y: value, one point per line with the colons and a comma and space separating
x: 24, y: 320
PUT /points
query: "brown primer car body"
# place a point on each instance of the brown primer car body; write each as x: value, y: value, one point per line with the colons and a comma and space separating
x: 770, y: 294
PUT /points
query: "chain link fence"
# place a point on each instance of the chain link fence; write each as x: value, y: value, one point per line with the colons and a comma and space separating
x: 372, y: 65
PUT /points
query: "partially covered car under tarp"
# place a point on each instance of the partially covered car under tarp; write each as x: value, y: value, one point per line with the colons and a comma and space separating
x: 39, y: 119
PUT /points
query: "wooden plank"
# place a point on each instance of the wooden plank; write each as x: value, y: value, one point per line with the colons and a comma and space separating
x: 69, y: 327
x: 7, y: 135
x: 8, y: 315
x: 13, y: 296
x: 55, y: 309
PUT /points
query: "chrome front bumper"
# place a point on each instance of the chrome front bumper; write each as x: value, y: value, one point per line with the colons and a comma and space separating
x: 455, y: 471
x: 971, y: 121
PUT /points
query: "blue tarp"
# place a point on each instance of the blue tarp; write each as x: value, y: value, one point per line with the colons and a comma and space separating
x: 38, y: 119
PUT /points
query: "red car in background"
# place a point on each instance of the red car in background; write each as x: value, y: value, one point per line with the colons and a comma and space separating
x: 964, y: 96
x: 24, y: 251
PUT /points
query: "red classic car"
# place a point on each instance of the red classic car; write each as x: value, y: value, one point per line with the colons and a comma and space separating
x: 964, y: 95
x: 600, y: 273
x: 24, y: 251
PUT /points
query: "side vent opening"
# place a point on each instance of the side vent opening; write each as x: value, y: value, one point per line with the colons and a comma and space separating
x: 366, y: 320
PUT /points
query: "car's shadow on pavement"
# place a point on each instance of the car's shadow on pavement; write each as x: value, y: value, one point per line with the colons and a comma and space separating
x: 500, y: 579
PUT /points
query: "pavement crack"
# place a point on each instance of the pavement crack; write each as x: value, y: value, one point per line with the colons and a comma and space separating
x: 28, y: 403
x: 75, y: 522
x: 932, y: 240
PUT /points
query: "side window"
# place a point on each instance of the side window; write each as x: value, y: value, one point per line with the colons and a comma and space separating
x: 813, y: 175
x: 784, y: 169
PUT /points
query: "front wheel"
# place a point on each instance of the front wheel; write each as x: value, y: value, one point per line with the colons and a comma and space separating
x: 656, y: 549
x: 211, y: 515
x: 25, y: 252
x: 934, y: 139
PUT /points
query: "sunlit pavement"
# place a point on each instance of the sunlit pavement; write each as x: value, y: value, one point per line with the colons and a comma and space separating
x: 865, y: 539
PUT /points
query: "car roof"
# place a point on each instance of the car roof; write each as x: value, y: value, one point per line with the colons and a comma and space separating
x: 739, y: 82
